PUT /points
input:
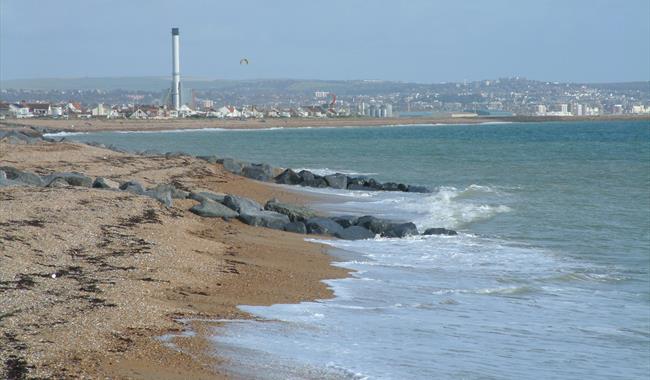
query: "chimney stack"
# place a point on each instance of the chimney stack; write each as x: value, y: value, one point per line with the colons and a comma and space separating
x: 176, y: 71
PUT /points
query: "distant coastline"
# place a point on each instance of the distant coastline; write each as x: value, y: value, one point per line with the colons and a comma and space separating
x: 104, y: 125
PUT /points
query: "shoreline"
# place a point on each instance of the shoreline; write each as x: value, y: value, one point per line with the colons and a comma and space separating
x: 125, y: 280
x: 104, y: 125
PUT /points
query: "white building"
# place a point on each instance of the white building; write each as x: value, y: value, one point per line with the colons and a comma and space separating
x: 541, y: 110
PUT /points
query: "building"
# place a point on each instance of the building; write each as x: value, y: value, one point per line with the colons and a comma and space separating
x: 541, y: 110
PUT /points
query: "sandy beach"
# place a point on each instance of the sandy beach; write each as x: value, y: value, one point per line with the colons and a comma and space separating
x: 97, y: 125
x: 91, y: 278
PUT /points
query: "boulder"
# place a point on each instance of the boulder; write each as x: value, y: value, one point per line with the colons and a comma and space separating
x: 439, y: 231
x: 175, y: 192
x: 24, y: 177
x: 355, y: 233
x: 268, y: 219
x: 296, y: 227
x: 241, y: 205
x: 132, y: 187
x: 356, y: 181
x: 205, y: 194
x: 288, y: 177
x: 390, y: 186
x: 312, y: 180
x: 346, y: 220
x: 337, y: 181
x: 259, y: 172
x: 161, y: 194
x: 376, y: 225
x: 73, y: 179
x: 294, y: 212
x: 210, y: 159
x: 373, y: 184
x: 322, y: 226
x: 402, y: 187
x: 233, y: 166
x: 418, y: 189
x: 105, y: 183
x: 354, y: 186
x: 58, y: 183
x: 400, y: 230
x: 212, y: 209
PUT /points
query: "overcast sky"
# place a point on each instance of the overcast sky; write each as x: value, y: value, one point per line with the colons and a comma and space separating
x: 408, y: 40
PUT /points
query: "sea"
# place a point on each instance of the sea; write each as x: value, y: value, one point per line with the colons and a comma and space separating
x: 549, y: 277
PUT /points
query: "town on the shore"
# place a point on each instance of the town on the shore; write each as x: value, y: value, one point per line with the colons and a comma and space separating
x: 313, y: 99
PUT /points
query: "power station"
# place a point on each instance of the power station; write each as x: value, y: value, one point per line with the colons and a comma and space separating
x: 176, y: 70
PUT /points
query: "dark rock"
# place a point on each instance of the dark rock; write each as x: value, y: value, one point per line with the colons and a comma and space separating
x: 233, y: 166
x: 354, y: 186
x: 175, y: 154
x: 73, y: 179
x: 288, y: 177
x: 18, y: 175
x: 418, y: 189
x: 259, y: 172
x: 346, y: 220
x: 132, y: 187
x: 390, y: 186
x: 439, y: 231
x: 294, y: 212
x: 268, y: 219
x: 356, y: 181
x: 212, y: 209
x: 355, y: 233
x: 373, y: 184
x: 296, y: 227
x: 105, y: 183
x: 322, y: 226
x: 201, y: 195
x: 241, y: 205
x: 402, y: 187
x: 376, y: 225
x: 210, y: 159
x: 337, y: 181
x: 400, y: 230
x: 312, y: 180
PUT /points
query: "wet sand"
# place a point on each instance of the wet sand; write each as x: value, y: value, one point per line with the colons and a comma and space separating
x: 89, y: 279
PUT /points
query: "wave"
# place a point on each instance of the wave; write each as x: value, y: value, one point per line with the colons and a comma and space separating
x: 328, y: 171
x: 64, y: 134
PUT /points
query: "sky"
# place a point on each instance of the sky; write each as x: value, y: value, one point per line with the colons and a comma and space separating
x: 425, y: 41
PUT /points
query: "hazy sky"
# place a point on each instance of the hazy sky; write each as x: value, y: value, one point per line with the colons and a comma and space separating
x: 408, y: 40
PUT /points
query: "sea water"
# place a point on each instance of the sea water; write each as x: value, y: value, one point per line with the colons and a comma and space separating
x: 549, y: 276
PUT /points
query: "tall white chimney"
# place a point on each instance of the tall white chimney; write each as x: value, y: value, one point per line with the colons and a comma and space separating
x: 176, y: 71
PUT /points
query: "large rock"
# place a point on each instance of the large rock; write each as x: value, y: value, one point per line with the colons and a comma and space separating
x: 212, y: 209
x: 418, y: 189
x: 205, y: 194
x: 390, y: 186
x: 400, y: 230
x: 294, y: 212
x: 58, y: 183
x: 312, y: 180
x: 24, y: 177
x: 288, y: 177
x: 337, y: 181
x: 175, y: 192
x: 268, y: 219
x: 233, y: 166
x: 73, y: 179
x: 355, y: 186
x: 355, y: 233
x: 323, y: 226
x: 376, y: 225
x: 161, y: 194
x: 132, y: 187
x: 259, y: 172
x: 105, y: 183
x: 210, y: 159
x: 241, y: 205
x: 439, y: 231
x: 346, y: 220
x: 296, y: 227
